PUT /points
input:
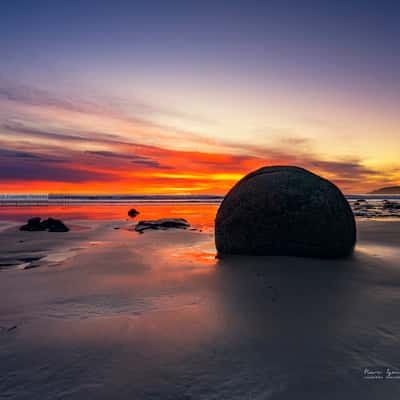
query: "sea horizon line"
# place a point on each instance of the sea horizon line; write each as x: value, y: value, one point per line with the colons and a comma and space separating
x: 50, y: 197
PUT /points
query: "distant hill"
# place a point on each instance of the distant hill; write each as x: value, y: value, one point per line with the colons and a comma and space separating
x: 387, y: 190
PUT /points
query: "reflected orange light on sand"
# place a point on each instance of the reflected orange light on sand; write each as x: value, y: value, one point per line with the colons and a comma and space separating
x: 191, y: 252
x: 200, y: 216
x: 200, y: 255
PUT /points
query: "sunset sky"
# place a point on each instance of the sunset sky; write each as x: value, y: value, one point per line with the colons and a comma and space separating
x: 187, y: 96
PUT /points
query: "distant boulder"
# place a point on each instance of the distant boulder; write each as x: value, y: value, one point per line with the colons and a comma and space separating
x: 50, y: 224
x: 163, y: 223
x: 133, y: 212
x: 285, y: 210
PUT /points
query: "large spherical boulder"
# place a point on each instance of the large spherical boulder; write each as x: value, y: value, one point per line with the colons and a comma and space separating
x: 284, y: 210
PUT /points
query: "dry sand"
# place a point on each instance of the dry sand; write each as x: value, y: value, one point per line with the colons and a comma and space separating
x: 114, y: 314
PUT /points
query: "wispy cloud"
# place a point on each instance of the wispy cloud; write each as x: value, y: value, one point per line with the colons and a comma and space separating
x: 36, y: 97
x: 133, y: 158
x: 68, y: 135
x: 18, y: 156
x: 135, y: 112
x: 26, y: 172
x: 349, y: 169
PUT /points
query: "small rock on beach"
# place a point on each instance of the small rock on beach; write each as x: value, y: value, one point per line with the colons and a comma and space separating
x: 50, y: 225
x: 163, y: 223
x: 133, y: 212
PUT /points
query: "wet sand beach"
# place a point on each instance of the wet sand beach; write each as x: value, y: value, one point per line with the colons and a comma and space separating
x: 110, y: 313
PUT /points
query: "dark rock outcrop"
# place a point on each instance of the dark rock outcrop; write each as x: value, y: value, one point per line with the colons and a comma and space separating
x: 50, y: 224
x: 33, y: 224
x: 163, y: 223
x: 54, y: 225
x: 132, y: 213
x: 285, y: 210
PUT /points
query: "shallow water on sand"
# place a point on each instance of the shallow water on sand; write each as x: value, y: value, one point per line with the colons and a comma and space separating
x: 197, y: 214
x: 157, y: 316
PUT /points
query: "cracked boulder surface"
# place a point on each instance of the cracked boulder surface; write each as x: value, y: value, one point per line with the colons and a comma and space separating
x: 285, y: 210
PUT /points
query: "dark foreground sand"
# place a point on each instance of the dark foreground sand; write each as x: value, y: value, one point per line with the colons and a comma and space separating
x: 111, y: 314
